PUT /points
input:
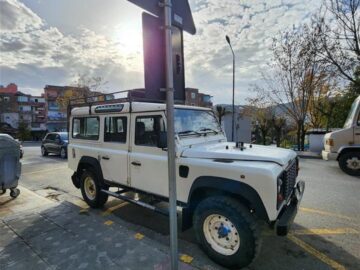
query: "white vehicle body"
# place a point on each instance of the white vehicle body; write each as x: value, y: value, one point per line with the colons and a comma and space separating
x: 341, y: 142
x: 206, y: 163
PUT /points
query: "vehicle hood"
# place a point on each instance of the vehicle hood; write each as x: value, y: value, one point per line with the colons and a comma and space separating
x: 280, y: 156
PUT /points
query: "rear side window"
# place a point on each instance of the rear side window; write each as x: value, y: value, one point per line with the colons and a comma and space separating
x: 86, y: 128
x: 115, y: 129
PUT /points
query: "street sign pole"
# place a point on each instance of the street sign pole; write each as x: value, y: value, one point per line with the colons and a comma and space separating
x: 170, y: 134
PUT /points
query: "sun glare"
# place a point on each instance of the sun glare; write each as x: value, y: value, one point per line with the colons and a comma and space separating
x: 129, y: 38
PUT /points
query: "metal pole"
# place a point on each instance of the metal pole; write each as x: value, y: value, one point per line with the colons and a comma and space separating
x: 171, y: 136
x: 233, y: 96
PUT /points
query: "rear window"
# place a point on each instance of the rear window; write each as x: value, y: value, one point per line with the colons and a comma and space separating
x: 86, y: 128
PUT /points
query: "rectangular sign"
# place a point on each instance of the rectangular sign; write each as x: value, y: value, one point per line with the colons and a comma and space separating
x: 181, y: 12
x: 154, y: 60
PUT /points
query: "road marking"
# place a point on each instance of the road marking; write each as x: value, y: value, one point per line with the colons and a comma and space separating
x: 112, y: 209
x: 108, y: 222
x: 139, y: 236
x: 49, y: 170
x: 186, y: 258
x: 325, y: 231
x: 321, y: 256
x: 324, y: 213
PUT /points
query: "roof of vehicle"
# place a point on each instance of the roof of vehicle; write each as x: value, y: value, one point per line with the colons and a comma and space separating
x: 126, y: 107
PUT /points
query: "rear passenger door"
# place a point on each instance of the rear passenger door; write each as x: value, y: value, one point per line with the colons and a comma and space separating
x: 114, y: 153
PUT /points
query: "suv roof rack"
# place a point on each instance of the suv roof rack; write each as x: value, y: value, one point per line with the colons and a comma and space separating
x: 133, y: 95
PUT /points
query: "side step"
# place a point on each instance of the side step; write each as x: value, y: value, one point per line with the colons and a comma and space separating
x: 118, y: 195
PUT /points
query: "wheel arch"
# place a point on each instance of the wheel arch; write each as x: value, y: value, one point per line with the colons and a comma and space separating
x: 88, y: 162
x: 206, y: 186
x: 346, y: 149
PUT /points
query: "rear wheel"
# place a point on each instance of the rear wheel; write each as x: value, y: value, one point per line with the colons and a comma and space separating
x: 227, y: 231
x: 44, y: 153
x: 91, y: 189
x: 350, y: 163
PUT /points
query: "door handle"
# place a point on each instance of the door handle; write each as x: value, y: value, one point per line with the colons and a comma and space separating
x: 135, y: 163
x: 105, y: 157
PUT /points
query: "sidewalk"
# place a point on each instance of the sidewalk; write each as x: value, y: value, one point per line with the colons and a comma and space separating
x: 37, y: 233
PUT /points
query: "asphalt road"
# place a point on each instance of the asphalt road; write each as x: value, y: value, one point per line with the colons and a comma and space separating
x: 325, y: 235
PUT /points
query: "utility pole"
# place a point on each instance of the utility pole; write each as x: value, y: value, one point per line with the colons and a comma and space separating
x: 170, y: 134
x: 233, y: 91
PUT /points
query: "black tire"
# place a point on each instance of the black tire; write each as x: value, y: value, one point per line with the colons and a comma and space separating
x: 246, y: 227
x: 99, y: 198
x: 344, y: 165
x: 44, y: 153
x: 63, y: 153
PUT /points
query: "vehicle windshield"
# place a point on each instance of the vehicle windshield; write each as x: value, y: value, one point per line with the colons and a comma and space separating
x: 64, y: 136
x: 351, y: 115
x: 195, y: 122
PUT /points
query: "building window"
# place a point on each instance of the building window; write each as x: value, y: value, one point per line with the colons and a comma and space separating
x: 86, y: 128
x: 22, y: 99
x: 6, y: 99
x: 193, y: 95
x: 115, y: 129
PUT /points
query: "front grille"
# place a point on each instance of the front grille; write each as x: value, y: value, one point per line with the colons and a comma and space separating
x: 289, y: 179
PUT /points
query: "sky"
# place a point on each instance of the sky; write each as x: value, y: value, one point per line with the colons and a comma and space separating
x: 51, y: 42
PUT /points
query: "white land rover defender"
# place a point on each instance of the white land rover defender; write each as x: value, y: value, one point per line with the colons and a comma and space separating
x: 223, y: 188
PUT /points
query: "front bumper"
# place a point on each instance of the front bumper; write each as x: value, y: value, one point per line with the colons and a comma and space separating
x: 328, y: 155
x: 288, y: 213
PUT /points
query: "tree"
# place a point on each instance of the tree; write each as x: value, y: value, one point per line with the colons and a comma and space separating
x: 338, y: 31
x: 220, y: 111
x: 293, y: 76
x: 278, y: 123
x: 83, y: 89
x: 94, y: 83
x: 24, y: 132
x: 261, y: 113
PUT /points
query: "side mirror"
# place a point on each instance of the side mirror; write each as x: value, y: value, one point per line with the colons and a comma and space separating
x: 162, y: 140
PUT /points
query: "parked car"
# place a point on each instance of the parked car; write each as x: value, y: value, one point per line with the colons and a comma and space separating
x: 56, y: 143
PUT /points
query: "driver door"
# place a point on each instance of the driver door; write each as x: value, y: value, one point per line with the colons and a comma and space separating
x: 147, y: 162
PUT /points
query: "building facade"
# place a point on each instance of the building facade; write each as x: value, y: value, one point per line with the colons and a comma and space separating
x: 194, y: 98
x: 56, y: 100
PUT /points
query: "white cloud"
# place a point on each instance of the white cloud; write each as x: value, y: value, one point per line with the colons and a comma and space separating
x: 34, y: 53
x: 31, y: 51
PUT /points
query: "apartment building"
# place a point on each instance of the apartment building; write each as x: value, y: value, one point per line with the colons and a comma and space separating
x: 195, y: 98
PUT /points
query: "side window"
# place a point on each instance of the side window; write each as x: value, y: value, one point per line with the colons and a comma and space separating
x: 86, y: 128
x: 115, y: 129
x: 147, y: 129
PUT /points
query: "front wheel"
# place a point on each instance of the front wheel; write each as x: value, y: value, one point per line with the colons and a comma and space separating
x: 63, y: 153
x: 44, y: 153
x: 227, y: 231
x: 350, y: 163
x: 91, y: 189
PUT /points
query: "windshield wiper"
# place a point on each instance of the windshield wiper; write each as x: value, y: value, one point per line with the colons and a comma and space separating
x: 209, y: 129
x: 188, y: 132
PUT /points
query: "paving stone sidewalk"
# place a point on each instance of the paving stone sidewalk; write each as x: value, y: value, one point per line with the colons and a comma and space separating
x: 43, y: 234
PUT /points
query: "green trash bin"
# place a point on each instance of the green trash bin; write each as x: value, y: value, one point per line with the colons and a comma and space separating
x: 10, y: 166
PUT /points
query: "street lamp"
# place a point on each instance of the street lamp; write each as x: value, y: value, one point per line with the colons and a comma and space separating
x: 233, y: 90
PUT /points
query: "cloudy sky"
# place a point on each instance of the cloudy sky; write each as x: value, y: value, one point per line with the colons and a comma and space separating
x: 50, y: 42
